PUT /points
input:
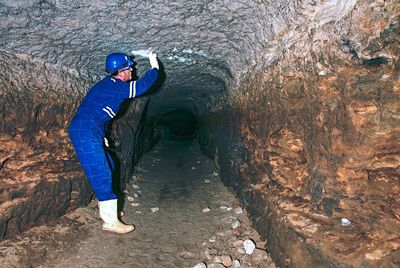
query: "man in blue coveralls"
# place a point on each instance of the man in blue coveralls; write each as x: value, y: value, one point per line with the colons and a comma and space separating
x: 87, y: 129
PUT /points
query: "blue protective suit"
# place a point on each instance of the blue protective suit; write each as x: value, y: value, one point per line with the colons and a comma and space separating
x: 88, y: 127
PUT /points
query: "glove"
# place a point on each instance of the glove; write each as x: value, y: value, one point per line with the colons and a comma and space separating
x: 153, y: 60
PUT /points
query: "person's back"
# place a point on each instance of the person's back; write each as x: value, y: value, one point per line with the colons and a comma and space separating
x: 104, y: 99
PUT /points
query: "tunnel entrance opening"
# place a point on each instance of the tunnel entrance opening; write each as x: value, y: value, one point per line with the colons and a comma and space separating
x: 178, y: 124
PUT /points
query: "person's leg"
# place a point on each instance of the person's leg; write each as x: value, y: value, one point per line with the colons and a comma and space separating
x: 91, y: 154
x: 120, y: 196
x: 110, y: 160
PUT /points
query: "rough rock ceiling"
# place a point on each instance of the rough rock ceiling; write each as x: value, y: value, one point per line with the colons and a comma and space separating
x: 185, y: 33
x: 203, y: 45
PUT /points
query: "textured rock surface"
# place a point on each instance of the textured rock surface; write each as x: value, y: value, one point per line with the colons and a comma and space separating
x: 40, y: 177
x: 297, y: 103
x: 316, y: 140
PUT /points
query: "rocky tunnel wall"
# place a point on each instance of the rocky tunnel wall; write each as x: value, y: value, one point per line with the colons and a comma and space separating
x: 40, y: 178
x: 314, y: 138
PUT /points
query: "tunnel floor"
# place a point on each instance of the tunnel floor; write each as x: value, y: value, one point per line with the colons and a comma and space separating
x: 168, y: 202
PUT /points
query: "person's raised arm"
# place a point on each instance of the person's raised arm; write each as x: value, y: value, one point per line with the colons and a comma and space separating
x: 150, y: 77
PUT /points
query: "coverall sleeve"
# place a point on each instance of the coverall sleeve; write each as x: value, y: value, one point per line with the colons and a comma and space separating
x: 146, y: 81
x: 139, y: 87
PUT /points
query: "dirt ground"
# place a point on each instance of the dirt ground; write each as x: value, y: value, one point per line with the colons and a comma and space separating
x: 183, y: 215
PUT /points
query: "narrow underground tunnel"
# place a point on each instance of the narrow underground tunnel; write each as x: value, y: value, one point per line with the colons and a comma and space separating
x: 178, y: 124
x: 274, y: 124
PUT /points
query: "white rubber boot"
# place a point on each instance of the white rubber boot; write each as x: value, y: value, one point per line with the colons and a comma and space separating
x: 108, y: 213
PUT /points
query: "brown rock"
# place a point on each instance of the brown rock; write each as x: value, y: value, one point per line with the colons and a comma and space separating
x: 226, y: 260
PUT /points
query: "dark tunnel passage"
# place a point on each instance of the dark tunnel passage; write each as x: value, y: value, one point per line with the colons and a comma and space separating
x: 177, y: 124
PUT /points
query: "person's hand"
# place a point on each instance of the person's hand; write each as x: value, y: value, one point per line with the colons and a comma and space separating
x: 153, y: 60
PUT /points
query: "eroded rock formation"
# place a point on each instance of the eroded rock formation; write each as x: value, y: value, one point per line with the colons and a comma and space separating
x: 296, y: 102
x: 40, y: 177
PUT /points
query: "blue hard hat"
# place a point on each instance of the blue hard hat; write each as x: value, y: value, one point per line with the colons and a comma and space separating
x: 118, y: 61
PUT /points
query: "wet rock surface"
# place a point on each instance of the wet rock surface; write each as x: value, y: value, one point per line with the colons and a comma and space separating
x: 177, y: 234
